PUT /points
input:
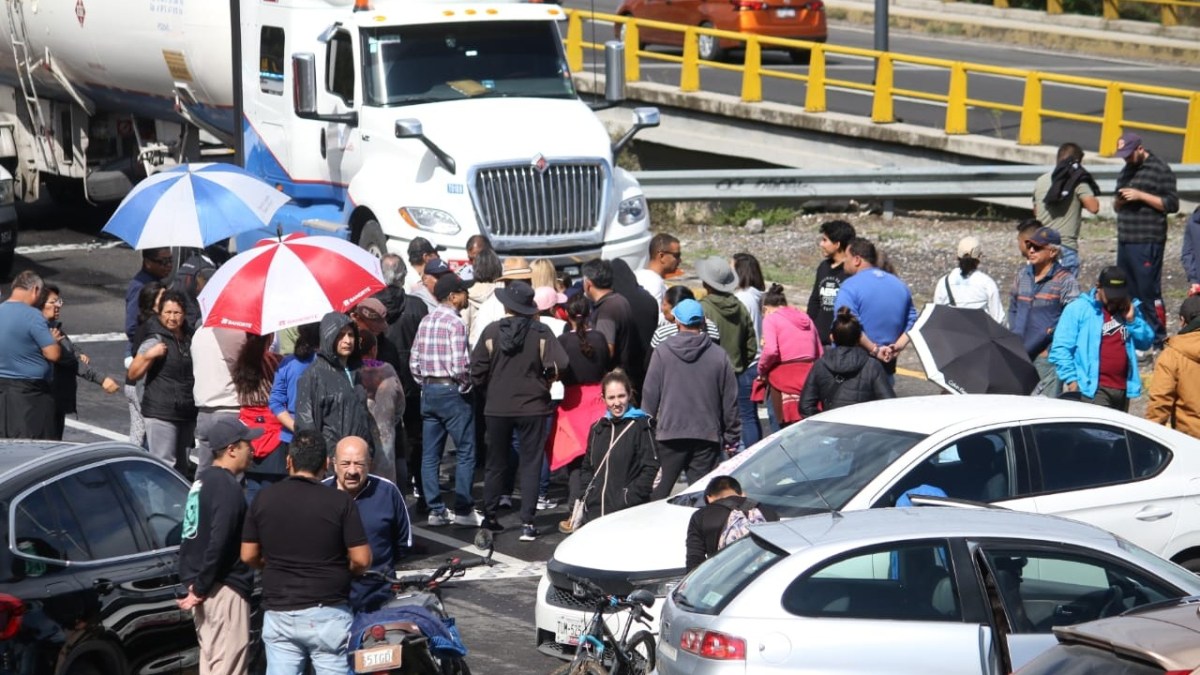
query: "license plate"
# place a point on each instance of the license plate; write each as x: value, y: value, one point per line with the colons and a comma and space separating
x: 668, y: 650
x: 370, y: 660
x: 567, y: 631
x: 786, y: 13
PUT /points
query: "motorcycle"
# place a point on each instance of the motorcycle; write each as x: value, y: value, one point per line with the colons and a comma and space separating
x: 412, y: 634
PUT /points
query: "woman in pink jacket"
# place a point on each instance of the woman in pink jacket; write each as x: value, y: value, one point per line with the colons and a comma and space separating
x: 790, y: 346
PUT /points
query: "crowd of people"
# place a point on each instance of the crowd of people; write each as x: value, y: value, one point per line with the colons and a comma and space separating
x: 622, y: 380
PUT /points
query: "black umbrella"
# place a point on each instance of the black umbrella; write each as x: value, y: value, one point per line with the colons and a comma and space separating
x: 966, y: 352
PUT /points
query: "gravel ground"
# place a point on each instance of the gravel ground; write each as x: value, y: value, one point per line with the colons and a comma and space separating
x: 921, y: 246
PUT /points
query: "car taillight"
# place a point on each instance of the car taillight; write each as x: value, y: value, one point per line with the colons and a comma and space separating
x: 11, y: 610
x: 815, y: 5
x: 750, y: 5
x: 710, y: 644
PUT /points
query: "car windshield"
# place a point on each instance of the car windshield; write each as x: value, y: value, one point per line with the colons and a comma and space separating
x: 453, y: 61
x: 820, y: 466
x: 712, y: 585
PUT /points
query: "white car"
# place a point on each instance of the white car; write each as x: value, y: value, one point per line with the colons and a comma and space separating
x: 1121, y: 473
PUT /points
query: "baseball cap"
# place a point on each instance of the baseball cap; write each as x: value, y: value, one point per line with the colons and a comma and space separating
x: 1114, y: 283
x: 422, y: 246
x: 689, y: 313
x: 969, y: 247
x: 545, y: 298
x: 1190, y: 309
x: 1044, y: 236
x: 226, y: 431
x: 437, y: 267
x: 1127, y: 143
x: 372, y: 311
x: 448, y: 284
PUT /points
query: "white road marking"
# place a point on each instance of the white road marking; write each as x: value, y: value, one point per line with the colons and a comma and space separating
x: 506, y: 567
x: 96, y: 431
x: 60, y: 248
x: 98, y: 337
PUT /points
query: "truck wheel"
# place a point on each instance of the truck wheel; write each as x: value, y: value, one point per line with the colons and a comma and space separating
x: 371, y: 238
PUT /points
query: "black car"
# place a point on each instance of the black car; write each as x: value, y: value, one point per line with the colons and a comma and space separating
x: 88, y: 578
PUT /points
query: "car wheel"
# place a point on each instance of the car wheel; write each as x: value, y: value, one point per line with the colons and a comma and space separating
x: 710, y: 47
x: 84, y: 667
x: 372, y: 240
x: 800, y: 56
x: 1191, y: 564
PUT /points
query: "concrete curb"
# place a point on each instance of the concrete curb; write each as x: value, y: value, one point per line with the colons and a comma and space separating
x: 1133, y: 40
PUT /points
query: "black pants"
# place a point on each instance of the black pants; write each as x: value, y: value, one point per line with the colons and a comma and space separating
x: 414, y: 444
x: 27, y: 410
x: 695, y: 456
x: 531, y: 435
x: 1143, y: 263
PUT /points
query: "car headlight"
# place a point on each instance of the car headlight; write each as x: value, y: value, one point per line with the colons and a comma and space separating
x: 430, y: 220
x: 661, y: 587
x: 6, y: 192
x: 631, y: 210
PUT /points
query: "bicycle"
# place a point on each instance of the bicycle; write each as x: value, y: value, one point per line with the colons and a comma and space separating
x: 600, y: 652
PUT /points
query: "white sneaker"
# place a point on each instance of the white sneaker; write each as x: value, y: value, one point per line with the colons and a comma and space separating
x: 438, y: 518
x: 472, y: 519
x: 506, y: 501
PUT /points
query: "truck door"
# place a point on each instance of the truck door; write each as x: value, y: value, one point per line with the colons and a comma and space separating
x: 343, y: 142
x: 268, y: 152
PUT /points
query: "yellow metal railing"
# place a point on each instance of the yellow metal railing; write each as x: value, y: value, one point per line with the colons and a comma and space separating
x: 1111, y: 9
x: 884, y: 92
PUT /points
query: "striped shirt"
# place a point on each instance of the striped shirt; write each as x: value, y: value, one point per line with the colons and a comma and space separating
x: 1138, y: 222
x: 440, y: 349
x: 668, y: 329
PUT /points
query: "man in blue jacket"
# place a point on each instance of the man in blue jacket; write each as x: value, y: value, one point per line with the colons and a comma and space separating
x: 1094, y: 343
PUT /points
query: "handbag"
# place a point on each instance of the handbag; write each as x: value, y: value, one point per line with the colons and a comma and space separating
x: 579, y: 508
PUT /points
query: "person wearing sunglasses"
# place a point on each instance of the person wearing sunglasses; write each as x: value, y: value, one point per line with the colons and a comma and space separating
x: 157, y: 265
x: 1040, y: 291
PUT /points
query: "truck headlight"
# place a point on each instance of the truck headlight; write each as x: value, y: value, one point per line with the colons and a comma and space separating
x: 631, y: 210
x: 430, y: 220
x: 6, y: 192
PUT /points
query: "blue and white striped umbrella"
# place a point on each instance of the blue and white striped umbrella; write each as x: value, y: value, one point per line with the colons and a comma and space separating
x: 194, y: 205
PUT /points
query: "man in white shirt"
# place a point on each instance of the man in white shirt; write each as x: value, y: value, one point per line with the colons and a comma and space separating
x: 665, y: 255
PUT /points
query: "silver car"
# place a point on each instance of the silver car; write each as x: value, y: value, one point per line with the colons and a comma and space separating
x: 927, y: 590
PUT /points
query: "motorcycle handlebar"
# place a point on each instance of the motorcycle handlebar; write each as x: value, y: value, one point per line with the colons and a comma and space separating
x: 453, y: 567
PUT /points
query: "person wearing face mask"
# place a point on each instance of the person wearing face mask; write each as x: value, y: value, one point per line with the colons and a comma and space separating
x: 330, y: 397
x: 1093, y: 351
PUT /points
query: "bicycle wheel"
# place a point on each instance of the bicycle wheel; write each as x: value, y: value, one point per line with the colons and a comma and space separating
x: 588, y: 666
x: 640, y: 649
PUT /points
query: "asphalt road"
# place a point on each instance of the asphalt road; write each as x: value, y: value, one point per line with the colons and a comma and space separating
x: 980, y: 87
x: 494, y: 607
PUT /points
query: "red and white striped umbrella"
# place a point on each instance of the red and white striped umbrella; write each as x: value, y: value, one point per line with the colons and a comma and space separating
x: 287, y: 282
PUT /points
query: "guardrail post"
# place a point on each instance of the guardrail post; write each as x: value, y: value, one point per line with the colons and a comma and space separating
x: 881, y: 109
x: 633, y: 63
x: 1111, y: 10
x: 1114, y: 115
x: 575, y: 42
x: 1191, y: 137
x: 1000, y: 4
x: 1170, y: 17
x: 814, y: 90
x: 1031, y: 111
x: 956, y: 104
x: 689, y: 74
x: 752, y: 72
x: 1054, y: 6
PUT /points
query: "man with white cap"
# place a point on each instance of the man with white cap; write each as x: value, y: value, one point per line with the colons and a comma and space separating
x: 965, y: 286
x: 1146, y: 194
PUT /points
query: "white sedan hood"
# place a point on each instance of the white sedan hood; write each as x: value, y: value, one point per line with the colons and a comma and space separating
x: 647, y: 538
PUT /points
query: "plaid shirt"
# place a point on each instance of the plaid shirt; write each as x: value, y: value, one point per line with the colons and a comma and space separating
x: 1138, y: 222
x: 1035, y: 305
x: 440, y: 349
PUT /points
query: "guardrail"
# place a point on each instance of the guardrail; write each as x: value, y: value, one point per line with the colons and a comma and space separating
x: 884, y: 93
x: 1111, y: 9
x: 964, y: 182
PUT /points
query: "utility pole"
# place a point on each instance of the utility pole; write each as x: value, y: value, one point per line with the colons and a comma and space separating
x: 881, y: 25
x: 235, y: 38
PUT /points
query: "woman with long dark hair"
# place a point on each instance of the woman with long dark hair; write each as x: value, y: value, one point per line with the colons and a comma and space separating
x: 253, y: 377
x: 846, y: 374
x: 789, y: 348
x: 282, y: 400
x: 148, y: 299
x: 70, y: 364
x: 164, y: 358
x: 750, y: 287
x: 966, y: 286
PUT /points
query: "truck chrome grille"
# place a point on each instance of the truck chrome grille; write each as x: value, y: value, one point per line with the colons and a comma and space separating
x: 518, y: 201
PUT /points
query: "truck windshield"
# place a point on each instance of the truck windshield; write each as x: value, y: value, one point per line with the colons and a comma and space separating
x: 405, y: 65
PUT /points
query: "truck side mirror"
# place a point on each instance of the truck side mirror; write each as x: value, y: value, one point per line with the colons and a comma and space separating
x: 411, y: 128
x: 304, y: 84
x: 643, y: 118
x: 614, y: 71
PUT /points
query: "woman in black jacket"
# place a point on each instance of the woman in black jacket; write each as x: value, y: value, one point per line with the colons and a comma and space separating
x: 621, y: 462
x: 70, y: 365
x: 164, y: 358
x: 846, y: 374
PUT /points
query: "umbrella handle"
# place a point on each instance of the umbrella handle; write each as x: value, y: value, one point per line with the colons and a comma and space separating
x: 279, y: 231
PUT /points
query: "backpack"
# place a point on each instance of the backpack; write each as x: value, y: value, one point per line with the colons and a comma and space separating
x: 739, y: 522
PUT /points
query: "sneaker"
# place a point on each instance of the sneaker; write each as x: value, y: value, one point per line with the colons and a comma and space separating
x: 491, y: 524
x: 565, y: 527
x: 544, y: 503
x: 438, y: 518
x: 471, y: 519
x: 506, y: 501
x: 528, y: 532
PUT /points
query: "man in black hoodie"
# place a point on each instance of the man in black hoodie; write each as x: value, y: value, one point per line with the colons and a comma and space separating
x: 723, y: 495
x: 330, y: 397
x: 691, y: 391
x: 218, y: 583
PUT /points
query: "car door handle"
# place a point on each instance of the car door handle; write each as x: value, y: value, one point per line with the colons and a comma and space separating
x: 1151, y: 513
x: 103, y: 586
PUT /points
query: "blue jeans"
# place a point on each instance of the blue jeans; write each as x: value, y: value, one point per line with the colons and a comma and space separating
x: 446, y: 411
x: 747, y: 409
x: 1143, y: 263
x: 317, y: 635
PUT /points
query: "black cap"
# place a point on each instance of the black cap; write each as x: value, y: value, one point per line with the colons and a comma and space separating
x: 421, y: 246
x: 1190, y: 309
x: 447, y: 284
x: 437, y: 267
x: 1114, y: 283
x: 225, y: 431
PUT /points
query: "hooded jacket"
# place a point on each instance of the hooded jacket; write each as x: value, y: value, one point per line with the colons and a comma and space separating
x: 625, y: 478
x: 1175, y: 385
x: 169, y: 380
x: 844, y: 376
x: 330, y: 397
x: 404, y: 314
x: 1075, y: 351
x: 736, y: 327
x: 516, y: 359
x: 691, y: 390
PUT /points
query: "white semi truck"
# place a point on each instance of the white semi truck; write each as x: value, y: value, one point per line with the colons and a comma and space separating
x: 383, y: 122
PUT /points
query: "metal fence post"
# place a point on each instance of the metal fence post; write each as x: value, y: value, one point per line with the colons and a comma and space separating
x: 1030, y: 132
x: 814, y: 89
x: 1191, y: 138
x: 575, y: 41
x: 881, y: 109
x: 956, y: 104
x: 689, y: 74
x: 633, y: 41
x: 1111, y: 10
x: 1114, y: 115
x: 1000, y: 4
x: 1169, y: 15
x: 752, y: 71
x: 1054, y: 6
